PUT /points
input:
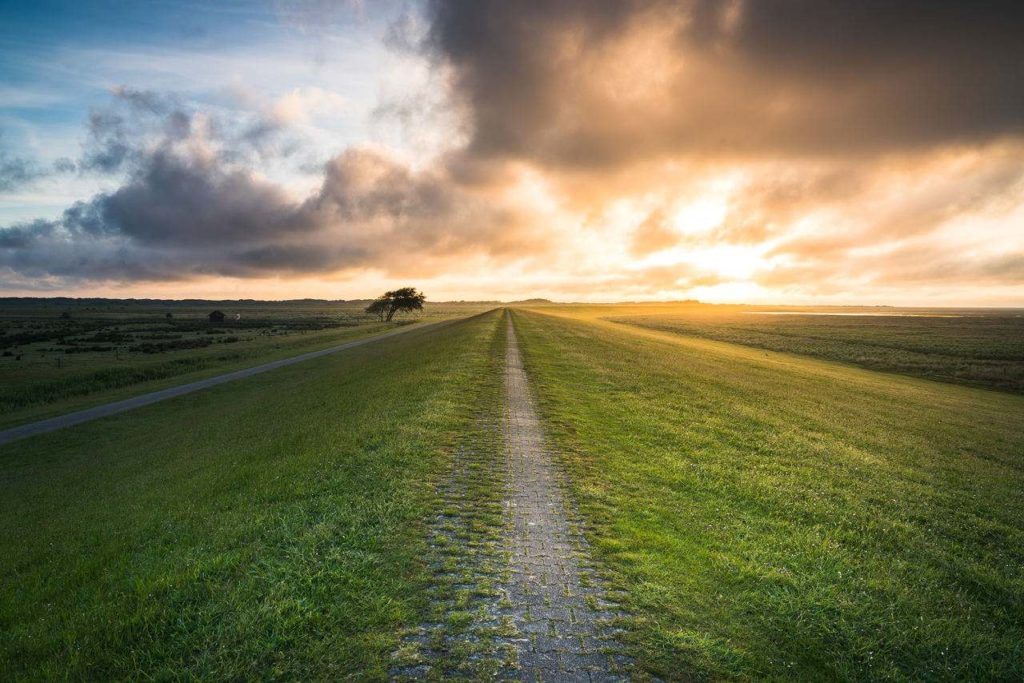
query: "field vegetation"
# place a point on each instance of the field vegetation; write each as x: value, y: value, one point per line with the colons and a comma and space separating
x: 982, y: 348
x: 777, y: 517
x: 61, y: 355
x: 270, y: 528
x: 766, y: 515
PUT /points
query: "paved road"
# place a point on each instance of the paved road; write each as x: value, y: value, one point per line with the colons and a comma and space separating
x: 61, y: 421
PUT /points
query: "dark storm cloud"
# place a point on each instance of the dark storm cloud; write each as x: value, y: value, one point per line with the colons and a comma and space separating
x: 593, y: 82
x: 21, y: 236
x: 185, y: 210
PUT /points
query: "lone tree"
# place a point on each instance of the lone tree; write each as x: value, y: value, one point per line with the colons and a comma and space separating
x: 404, y: 299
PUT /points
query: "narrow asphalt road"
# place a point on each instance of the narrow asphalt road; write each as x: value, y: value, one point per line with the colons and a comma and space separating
x: 78, y: 417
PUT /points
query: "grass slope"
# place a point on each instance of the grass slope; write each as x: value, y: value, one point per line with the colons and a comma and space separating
x: 270, y: 528
x: 50, y: 366
x: 776, y: 517
x: 36, y: 392
x: 982, y: 349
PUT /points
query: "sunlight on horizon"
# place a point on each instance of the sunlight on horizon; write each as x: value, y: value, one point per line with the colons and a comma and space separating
x: 668, y: 149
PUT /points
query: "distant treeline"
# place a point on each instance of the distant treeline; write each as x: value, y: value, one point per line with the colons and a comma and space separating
x: 57, y: 301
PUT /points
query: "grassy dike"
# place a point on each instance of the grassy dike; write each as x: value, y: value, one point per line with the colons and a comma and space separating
x: 268, y: 528
x: 35, y: 393
x: 775, y: 517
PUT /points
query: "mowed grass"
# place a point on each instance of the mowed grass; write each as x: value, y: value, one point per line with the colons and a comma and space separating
x: 38, y: 391
x: 775, y: 517
x: 271, y: 528
x: 981, y: 348
x: 110, y: 350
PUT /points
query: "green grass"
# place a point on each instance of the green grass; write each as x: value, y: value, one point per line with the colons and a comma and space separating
x: 62, y: 371
x: 769, y: 516
x: 972, y: 347
x: 776, y: 517
x: 271, y: 528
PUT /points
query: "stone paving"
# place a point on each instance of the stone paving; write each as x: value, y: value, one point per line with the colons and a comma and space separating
x: 470, y: 634
x: 515, y: 597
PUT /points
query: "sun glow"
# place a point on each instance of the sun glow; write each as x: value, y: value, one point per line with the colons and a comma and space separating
x: 729, y: 262
x: 700, y: 217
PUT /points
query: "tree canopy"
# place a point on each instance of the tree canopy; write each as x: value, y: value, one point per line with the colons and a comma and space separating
x: 404, y: 299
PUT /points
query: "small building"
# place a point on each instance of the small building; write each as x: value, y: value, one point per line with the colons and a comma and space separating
x: 216, y: 317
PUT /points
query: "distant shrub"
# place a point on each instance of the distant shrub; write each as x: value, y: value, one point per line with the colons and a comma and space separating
x: 22, y: 338
x: 158, y: 336
x: 176, y: 345
x: 89, y: 349
x: 111, y: 337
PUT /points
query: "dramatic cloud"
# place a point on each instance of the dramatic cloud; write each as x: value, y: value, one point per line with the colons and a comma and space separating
x: 188, y: 209
x: 796, y: 146
x: 858, y: 150
x: 583, y: 83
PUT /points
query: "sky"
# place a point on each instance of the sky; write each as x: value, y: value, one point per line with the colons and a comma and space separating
x: 759, y: 151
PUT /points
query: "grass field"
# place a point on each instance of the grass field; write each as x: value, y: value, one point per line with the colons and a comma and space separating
x: 977, y: 347
x: 776, y: 517
x: 107, y: 350
x: 765, y: 515
x: 271, y: 528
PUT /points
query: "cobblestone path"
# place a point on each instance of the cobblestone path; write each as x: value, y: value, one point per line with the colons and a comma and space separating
x: 515, y: 597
